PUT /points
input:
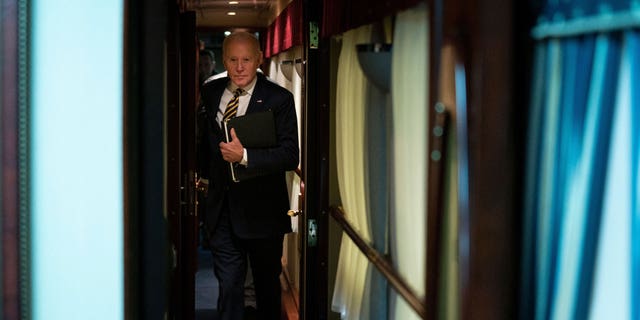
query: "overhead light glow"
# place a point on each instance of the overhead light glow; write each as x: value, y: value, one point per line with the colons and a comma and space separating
x: 227, y: 33
x: 233, y: 2
x: 231, y: 13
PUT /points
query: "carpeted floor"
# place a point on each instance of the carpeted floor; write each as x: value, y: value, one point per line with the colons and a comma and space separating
x: 207, y: 290
x: 206, y: 287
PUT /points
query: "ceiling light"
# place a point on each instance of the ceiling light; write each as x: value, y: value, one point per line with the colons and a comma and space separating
x: 231, y: 13
x: 227, y: 33
x: 233, y: 2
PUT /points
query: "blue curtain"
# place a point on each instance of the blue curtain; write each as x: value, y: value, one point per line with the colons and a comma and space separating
x: 584, y: 107
x: 634, y: 50
x: 577, y: 17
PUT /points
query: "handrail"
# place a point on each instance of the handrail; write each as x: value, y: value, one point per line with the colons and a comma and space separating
x: 381, y: 263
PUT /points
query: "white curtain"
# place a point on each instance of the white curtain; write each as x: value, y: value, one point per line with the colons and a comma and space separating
x: 273, y: 68
x: 290, y: 255
x: 353, y: 266
x: 410, y: 70
x: 295, y: 87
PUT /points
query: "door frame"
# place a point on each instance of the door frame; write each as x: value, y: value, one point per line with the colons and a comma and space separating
x: 316, y: 115
x: 147, y: 259
x: 180, y: 191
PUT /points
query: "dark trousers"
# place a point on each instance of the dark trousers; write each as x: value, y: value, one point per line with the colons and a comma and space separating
x: 230, y: 267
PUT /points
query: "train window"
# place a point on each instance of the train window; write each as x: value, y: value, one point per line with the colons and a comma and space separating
x: 76, y: 150
x: 381, y: 143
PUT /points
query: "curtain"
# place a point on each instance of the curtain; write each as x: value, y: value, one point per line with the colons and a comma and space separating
x: 410, y: 71
x: 276, y: 74
x: 632, y: 51
x: 341, y: 15
x: 532, y: 167
x: 353, y: 267
x: 581, y: 214
x: 296, y: 89
x: 613, y: 266
x: 286, y: 30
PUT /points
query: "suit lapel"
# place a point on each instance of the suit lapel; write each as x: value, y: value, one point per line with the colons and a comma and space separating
x: 212, y: 111
x: 256, y: 104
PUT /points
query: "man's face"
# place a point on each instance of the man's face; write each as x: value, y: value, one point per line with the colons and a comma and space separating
x: 241, y: 60
x: 206, y: 66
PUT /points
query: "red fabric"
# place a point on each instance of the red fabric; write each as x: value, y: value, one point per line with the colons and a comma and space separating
x: 333, y: 21
x: 275, y: 36
x: 286, y: 31
x: 287, y: 36
x: 267, y: 44
x: 339, y: 16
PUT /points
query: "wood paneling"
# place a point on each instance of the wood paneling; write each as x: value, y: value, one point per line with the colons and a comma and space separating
x: 484, y: 32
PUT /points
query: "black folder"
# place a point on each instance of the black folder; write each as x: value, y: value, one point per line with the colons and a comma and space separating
x: 255, y: 130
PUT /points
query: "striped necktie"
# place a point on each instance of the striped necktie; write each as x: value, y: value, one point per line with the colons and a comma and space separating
x: 232, y: 106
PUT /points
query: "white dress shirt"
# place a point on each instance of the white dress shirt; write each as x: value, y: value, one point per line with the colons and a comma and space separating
x: 243, y: 104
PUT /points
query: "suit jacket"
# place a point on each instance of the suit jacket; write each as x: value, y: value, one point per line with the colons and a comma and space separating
x: 257, y: 206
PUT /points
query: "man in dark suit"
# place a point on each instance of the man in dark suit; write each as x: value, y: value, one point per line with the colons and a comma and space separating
x: 247, y: 218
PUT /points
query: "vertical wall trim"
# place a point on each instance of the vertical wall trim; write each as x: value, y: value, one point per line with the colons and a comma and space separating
x: 15, y: 262
x: 23, y: 160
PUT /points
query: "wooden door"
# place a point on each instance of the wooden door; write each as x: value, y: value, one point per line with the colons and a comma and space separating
x: 181, y: 162
x: 189, y: 224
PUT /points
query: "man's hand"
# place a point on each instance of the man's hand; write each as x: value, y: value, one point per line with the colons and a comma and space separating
x: 232, y: 151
